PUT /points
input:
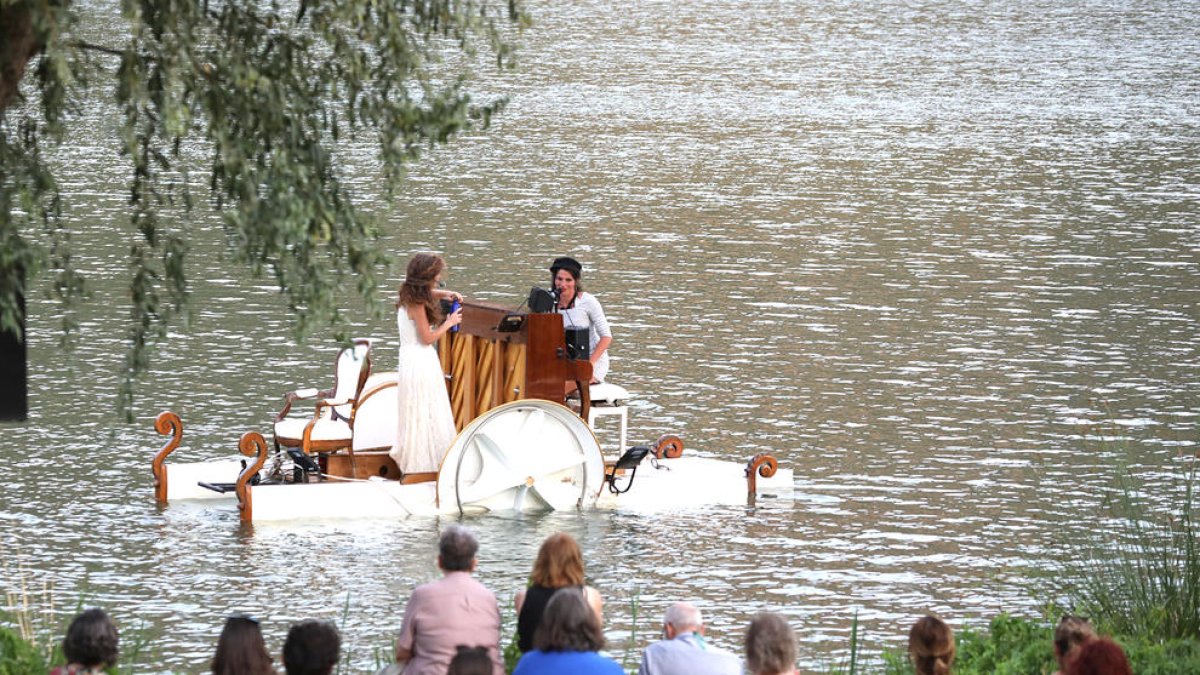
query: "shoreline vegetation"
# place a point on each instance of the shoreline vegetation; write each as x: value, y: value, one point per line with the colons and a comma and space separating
x: 1137, y: 578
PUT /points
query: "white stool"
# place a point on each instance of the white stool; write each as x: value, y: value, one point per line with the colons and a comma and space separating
x: 609, y: 399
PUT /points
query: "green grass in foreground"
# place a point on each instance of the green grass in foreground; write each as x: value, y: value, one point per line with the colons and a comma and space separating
x: 1018, y: 646
x: 1139, y: 572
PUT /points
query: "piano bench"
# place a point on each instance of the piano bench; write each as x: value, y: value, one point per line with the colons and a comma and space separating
x: 620, y: 411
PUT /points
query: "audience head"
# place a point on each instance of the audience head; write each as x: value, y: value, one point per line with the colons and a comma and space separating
x: 312, y: 648
x: 1069, y: 634
x: 682, y: 617
x: 559, y: 562
x: 770, y: 645
x: 569, y: 624
x: 931, y: 646
x: 1100, y: 656
x: 470, y: 661
x: 240, y: 648
x: 457, y: 549
x: 91, y: 640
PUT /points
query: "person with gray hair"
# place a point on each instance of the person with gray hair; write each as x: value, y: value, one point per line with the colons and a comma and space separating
x: 684, y: 651
x: 770, y: 646
x: 454, y: 610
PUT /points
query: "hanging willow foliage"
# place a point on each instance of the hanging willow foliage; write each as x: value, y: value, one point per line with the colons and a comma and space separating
x: 267, y: 90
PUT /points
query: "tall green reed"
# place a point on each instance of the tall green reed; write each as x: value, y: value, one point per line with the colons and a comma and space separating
x: 1138, y: 573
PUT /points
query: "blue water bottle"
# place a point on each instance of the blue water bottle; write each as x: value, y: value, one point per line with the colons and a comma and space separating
x: 454, y: 307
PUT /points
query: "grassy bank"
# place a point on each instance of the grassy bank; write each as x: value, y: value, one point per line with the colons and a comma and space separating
x: 1020, y: 646
x: 1136, y: 576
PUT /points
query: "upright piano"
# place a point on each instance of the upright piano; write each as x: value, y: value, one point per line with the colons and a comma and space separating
x: 498, y: 356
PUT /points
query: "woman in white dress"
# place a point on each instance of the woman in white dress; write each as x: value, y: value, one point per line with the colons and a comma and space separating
x: 426, y: 423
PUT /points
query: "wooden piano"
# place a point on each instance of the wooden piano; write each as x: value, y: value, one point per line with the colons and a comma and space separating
x: 498, y: 356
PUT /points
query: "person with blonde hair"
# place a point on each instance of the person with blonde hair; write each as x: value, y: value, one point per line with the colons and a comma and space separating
x: 559, y: 564
x: 931, y: 646
x: 770, y: 646
x: 1069, y: 634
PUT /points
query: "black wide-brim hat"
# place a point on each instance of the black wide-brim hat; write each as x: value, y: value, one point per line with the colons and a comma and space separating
x: 569, y: 264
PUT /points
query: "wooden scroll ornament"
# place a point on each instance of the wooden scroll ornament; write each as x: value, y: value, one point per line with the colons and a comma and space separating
x: 763, y: 465
x: 168, y: 424
x: 668, y: 447
x: 252, y: 443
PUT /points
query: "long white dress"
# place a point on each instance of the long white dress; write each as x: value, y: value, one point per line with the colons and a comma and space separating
x: 426, y: 423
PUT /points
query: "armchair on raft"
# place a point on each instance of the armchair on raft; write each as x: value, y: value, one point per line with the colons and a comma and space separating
x: 328, y: 429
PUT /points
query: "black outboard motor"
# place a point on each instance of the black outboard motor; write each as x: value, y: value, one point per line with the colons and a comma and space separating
x: 304, y: 469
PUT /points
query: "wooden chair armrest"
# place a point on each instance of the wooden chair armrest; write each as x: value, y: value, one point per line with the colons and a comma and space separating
x: 331, y: 403
x: 293, y: 396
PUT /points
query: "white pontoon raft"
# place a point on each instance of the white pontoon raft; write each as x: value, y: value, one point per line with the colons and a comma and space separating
x: 519, y: 452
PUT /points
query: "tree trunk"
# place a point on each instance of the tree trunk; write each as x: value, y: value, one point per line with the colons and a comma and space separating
x: 14, y: 386
x: 18, y: 44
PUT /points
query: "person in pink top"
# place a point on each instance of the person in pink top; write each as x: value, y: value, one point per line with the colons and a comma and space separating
x: 452, y: 611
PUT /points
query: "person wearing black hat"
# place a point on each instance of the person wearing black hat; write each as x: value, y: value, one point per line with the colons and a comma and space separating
x: 581, y: 309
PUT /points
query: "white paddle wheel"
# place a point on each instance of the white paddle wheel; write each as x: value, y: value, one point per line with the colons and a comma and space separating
x: 527, y: 455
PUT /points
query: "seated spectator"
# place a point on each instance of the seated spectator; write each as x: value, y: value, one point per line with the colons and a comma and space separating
x: 1069, y: 634
x: 1101, y: 656
x: 470, y: 661
x: 931, y: 646
x: 312, y: 648
x: 685, y: 651
x: 770, y: 646
x: 90, y: 646
x: 451, y: 611
x: 559, y: 564
x: 240, y: 649
x: 568, y: 641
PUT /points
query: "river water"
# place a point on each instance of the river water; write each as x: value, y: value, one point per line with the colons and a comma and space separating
x: 941, y: 258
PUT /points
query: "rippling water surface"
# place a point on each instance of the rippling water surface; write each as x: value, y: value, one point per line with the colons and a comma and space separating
x: 921, y: 251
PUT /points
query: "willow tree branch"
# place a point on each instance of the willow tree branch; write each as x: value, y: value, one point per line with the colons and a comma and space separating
x: 89, y: 47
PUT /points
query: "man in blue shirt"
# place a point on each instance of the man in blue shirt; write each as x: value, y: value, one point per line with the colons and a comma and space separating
x: 685, y: 651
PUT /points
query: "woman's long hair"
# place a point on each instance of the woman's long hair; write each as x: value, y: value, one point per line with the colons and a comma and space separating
x: 419, y: 279
x: 569, y: 625
x: 559, y: 562
x: 240, y: 649
x: 931, y: 646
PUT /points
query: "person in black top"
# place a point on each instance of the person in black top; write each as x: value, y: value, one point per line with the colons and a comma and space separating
x: 559, y: 564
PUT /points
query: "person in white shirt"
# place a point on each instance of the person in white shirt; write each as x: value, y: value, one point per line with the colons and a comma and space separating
x: 582, y: 310
x: 685, y: 651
